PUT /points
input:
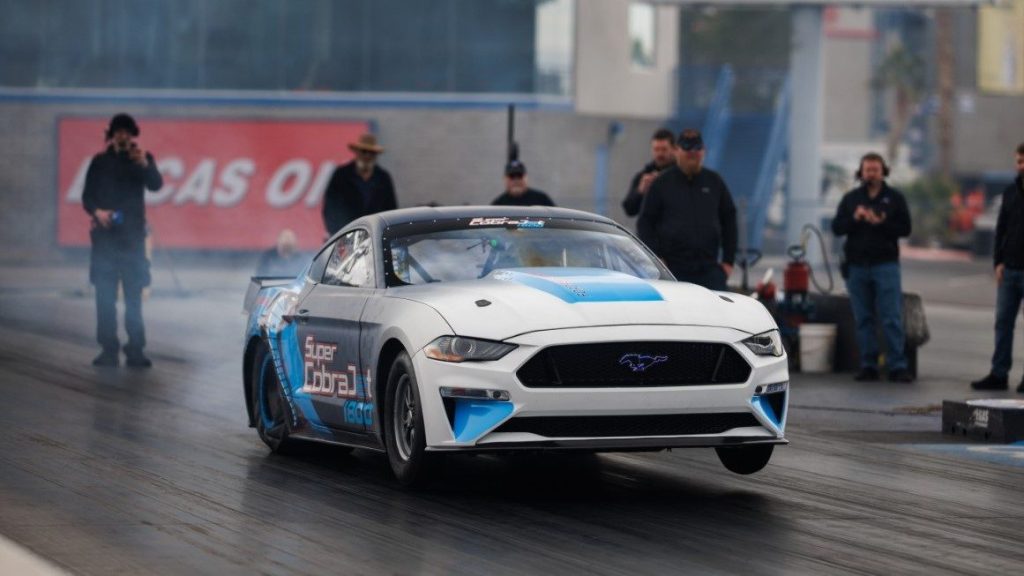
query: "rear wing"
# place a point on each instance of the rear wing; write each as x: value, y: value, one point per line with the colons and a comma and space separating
x: 258, y: 283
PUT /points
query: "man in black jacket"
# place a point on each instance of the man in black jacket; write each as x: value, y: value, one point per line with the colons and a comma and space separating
x: 517, y: 192
x: 873, y: 217
x: 688, y: 216
x: 114, y: 188
x: 358, y: 188
x: 662, y: 158
x: 1009, y: 269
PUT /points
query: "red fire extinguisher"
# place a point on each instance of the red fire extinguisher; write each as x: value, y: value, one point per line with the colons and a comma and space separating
x: 797, y: 277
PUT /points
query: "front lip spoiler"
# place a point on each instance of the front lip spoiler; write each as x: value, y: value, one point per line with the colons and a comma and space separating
x: 614, y: 444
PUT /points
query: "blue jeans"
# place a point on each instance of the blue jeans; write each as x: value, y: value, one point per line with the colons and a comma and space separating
x: 125, y: 264
x: 872, y: 287
x: 1008, y: 297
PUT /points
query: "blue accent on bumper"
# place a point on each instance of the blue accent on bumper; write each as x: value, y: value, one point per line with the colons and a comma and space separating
x: 765, y: 408
x: 574, y: 285
x: 475, y: 417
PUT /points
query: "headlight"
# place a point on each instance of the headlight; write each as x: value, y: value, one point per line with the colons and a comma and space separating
x: 461, y: 349
x: 766, y: 344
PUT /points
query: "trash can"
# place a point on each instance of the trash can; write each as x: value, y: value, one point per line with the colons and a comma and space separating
x: 817, y: 347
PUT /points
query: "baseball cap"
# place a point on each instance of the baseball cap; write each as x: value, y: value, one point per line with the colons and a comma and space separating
x: 690, y: 139
x: 515, y: 168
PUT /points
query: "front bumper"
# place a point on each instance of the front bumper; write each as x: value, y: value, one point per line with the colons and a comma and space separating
x: 476, y: 427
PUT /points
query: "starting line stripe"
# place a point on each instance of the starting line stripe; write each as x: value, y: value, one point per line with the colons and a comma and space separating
x: 1005, y: 454
x: 15, y: 559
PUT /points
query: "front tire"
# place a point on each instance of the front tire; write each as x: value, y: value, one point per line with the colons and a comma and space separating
x: 270, y: 406
x: 745, y: 459
x: 403, y: 416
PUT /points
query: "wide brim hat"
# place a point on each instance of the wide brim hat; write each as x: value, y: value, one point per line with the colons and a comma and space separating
x: 366, y: 143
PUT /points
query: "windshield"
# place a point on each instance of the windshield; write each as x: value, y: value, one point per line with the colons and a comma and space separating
x: 471, y: 249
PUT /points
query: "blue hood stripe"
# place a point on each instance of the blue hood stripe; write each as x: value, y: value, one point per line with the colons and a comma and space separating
x: 575, y: 285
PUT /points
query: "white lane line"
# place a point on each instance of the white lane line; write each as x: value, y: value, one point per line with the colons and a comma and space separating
x: 15, y: 559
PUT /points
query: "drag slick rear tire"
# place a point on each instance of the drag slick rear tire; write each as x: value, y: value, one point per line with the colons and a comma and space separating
x: 270, y: 407
x: 745, y: 459
x: 403, y: 420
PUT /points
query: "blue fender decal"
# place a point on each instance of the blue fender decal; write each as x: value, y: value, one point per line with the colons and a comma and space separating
x: 292, y: 364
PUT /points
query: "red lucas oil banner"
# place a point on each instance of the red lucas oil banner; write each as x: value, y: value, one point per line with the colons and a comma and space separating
x: 228, y: 184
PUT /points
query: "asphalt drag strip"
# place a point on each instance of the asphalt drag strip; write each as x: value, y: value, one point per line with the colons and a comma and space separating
x: 120, y: 471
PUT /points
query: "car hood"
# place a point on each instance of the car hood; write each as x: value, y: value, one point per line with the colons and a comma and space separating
x: 508, y: 303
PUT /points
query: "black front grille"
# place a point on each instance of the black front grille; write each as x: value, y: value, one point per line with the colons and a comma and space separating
x: 634, y: 364
x: 611, y: 426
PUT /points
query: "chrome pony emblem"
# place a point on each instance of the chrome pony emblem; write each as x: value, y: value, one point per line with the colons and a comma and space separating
x: 641, y: 362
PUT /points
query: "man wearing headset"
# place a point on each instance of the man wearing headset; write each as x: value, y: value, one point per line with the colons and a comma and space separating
x: 873, y: 217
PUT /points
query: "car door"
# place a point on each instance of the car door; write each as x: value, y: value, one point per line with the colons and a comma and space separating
x: 329, y: 331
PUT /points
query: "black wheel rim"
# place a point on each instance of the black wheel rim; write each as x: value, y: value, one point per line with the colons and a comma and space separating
x: 271, y: 402
x: 403, y: 417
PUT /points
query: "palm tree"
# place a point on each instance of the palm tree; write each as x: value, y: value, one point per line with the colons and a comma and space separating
x: 904, y: 73
x: 945, y: 63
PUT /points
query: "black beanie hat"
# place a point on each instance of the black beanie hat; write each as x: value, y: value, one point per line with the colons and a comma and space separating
x: 122, y: 122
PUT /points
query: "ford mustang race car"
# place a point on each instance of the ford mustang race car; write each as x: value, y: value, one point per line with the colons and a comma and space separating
x: 429, y: 330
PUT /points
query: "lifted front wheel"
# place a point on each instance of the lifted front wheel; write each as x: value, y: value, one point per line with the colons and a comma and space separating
x: 745, y: 459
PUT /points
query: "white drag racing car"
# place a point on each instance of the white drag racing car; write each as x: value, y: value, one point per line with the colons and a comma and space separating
x: 430, y: 330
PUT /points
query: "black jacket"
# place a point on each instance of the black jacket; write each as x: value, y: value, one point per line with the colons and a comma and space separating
x: 1010, y: 227
x: 686, y: 221
x: 114, y: 182
x: 529, y: 198
x: 343, y: 202
x: 869, y: 244
x: 634, y: 199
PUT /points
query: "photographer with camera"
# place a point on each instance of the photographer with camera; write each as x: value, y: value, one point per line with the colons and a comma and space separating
x: 662, y: 158
x: 873, y: 217
x: 114, y: 198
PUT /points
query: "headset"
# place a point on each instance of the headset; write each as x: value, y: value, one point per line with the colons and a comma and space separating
x: 873, y: 157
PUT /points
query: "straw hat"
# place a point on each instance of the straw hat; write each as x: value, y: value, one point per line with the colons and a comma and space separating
x: 367, y: 143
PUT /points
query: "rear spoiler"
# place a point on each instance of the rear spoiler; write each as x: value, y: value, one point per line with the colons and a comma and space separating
x: 258, y: 283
